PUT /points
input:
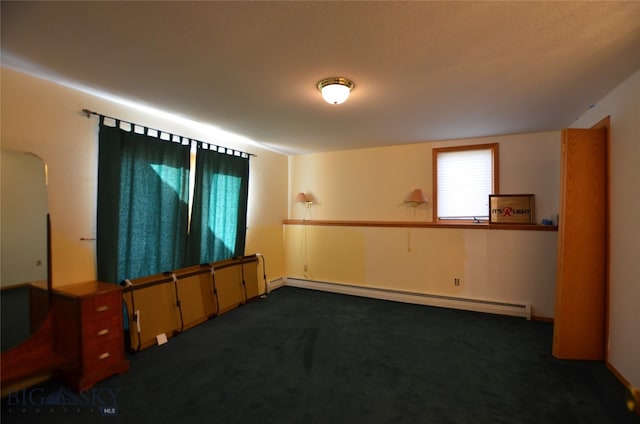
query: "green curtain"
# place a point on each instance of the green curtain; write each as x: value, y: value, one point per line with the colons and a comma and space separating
x: 219, y: 215
x: 143, y: 194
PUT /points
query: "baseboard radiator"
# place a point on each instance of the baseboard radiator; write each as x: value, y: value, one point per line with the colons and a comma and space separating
x: 477, y: 305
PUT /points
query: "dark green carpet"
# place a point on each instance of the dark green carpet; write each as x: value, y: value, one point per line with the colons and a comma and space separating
x: 302, y: 356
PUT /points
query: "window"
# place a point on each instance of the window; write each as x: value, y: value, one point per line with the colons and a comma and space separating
x: 463, y: 179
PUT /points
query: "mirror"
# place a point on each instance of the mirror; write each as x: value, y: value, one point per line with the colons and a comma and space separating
x: 24, y: 229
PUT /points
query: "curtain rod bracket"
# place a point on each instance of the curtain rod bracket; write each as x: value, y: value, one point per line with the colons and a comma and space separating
x: 88, y: 112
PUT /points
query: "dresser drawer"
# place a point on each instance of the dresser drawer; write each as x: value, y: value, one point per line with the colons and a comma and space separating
x: 100, y: 328
x: 101, y: 307
x: 101, y: 354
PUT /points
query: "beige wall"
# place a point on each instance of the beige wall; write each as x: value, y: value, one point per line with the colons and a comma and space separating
x: 508, y: 266
x: 371, y: 185
x: 45, y: 118
x: 623, y: 106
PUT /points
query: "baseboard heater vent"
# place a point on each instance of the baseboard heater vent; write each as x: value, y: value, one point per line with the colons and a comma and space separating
x: 477, y: 305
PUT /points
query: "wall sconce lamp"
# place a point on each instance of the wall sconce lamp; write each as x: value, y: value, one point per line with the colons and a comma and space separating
x: 335, y: 90
x: 303, y: 198
x: 307, y: 201
x: 417, y: 198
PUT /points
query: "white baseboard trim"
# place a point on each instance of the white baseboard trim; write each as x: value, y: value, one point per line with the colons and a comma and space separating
x: 276, y: 284
x: 477, y: 305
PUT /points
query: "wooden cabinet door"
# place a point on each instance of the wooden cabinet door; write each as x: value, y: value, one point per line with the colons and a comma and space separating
x: 581, y: 269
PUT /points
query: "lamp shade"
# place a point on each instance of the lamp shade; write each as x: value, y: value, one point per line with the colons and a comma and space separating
x: 417, y: 197
x: 335, y: 90
x: 301, y: 197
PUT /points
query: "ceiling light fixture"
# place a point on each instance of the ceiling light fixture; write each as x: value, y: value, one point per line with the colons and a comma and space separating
x: 335, y: 90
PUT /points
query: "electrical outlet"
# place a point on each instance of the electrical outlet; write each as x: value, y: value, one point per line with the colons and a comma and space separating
x: 456, y: 281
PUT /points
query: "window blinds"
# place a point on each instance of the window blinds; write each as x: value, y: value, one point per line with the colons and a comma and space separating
x: 464, y: 184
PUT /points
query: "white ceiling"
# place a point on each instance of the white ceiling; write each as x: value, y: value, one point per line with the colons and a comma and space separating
x: 423, y: 70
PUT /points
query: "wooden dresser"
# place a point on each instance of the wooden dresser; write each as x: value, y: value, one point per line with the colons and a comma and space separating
x: 87, y: 318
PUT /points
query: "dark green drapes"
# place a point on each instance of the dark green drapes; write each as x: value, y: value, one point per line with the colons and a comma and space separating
x: 143, y: 193
x: 143, y: 205
x: 219, y: 216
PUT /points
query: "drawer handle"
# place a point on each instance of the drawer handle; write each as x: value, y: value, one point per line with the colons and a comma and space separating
x: 104, y: 355
x: 102, y: 308
x: 103, y: 332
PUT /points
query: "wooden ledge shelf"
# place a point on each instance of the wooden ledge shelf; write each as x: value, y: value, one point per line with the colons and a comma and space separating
x: 409, y: 224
